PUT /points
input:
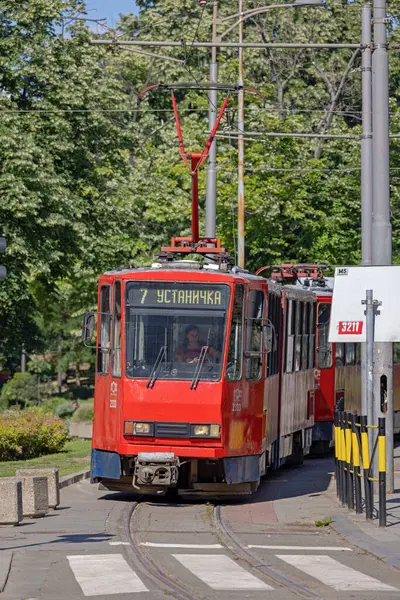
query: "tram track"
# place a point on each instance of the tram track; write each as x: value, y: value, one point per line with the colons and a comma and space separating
x: 235, y: 546
x: 150, y: 567
x: 229, y: 541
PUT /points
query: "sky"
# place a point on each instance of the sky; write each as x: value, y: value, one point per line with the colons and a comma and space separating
x: 98, y: 9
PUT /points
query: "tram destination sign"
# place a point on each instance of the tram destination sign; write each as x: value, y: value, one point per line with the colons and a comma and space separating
x: 185, y: 295
x: 348, y: 320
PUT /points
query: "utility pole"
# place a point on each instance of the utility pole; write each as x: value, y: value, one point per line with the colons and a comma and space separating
x: 23, y: 359
x: 240, y: 146
x: 366, y: 174
x: 211, y: 184
x: 381, y: 227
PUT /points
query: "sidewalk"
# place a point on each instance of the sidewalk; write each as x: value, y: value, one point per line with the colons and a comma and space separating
x: 383, y: 542
x: 303, y: 499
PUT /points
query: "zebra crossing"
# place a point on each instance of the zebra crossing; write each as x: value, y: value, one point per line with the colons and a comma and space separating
x: 110, y: 574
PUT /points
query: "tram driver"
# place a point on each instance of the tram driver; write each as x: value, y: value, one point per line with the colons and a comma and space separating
x: 190, y: 350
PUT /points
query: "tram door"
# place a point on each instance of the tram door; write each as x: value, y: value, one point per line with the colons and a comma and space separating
x: 109, y: 369
x: 253, y: 401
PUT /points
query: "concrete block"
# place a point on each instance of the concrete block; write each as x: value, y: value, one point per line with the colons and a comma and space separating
x: 53, y: 484
x: 35, y: 496
x: 10, y: 501
x: 81, y: 430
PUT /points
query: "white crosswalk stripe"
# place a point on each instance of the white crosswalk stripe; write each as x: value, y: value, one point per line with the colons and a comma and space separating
x: 220, y: 572
x: 334, y: 574
x: 102, y: 574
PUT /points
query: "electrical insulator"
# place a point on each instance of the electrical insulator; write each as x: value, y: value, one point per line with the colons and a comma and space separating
x: 202, y: 3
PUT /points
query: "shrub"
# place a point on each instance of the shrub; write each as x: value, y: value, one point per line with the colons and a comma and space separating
x: 81, y: 393
x: 51, y: 404
x: 27, y: 434
x: 84, y: 414
x: 64, y: 410
x: 20, y: 390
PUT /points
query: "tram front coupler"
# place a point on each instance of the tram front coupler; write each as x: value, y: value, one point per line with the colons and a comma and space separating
x: 156, y: 468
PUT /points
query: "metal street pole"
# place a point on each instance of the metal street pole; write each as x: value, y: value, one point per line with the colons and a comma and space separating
x: 211, y: 184
x: 366, y: 173
x: 240, y: 147
x: 381, y: 227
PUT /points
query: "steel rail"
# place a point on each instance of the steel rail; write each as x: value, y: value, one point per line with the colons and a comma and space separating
x: 150, y: 567
x: 234, y: 545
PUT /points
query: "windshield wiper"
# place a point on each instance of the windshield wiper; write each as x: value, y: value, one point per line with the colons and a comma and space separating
x: 156, y: 367
x: 199, y: 366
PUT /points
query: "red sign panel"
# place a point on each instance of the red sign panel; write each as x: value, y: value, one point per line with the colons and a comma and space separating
x: 350, y: 327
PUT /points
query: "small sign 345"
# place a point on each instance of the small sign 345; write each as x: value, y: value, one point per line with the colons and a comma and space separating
x: 350, y: 327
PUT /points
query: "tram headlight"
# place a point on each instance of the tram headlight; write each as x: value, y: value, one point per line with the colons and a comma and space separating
x: 206, y: 430
x: 138, y: 428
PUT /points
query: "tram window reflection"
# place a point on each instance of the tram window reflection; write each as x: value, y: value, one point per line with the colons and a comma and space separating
x: 350, y: 354
x: 234, y: 362
x: 324, y: 348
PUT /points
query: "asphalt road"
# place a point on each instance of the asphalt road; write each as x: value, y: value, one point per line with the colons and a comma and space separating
x: 99, y: 544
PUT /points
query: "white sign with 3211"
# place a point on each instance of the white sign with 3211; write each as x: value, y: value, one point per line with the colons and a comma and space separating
x: 347, y: 322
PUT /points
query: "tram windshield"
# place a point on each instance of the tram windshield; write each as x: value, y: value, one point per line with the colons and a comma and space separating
x: 175, y: 330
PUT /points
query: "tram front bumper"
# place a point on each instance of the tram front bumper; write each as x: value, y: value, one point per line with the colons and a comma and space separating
x: 156, y: 468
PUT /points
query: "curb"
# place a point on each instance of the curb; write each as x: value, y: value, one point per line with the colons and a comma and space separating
x: 362, y: 540
x: 74, y: 478
x: 5, y: 567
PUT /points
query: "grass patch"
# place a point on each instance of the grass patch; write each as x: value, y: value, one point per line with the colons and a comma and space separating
x: 323, y: 522
x: 75, y: 457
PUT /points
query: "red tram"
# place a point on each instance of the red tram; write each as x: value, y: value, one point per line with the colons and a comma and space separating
x: 205, y: 417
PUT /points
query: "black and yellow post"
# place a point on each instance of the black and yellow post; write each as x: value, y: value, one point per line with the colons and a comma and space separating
x: 337, y: 452
x: 356, y: 462
x: 349, y: 462
x: 382, y: 471
x: 365, y: 462
x: 343, y: 494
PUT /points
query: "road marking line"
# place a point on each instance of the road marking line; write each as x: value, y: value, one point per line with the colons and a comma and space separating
x: 334, y: 574
x: 102, y: 574
x: 299, y: 547
x: 199, y: 546
x: 119, y: 543
x: 220, y: 572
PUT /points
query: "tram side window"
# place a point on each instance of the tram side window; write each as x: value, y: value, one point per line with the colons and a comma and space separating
x: 290, y: 334
x: 299, y: 335
x: 358, y: 354
x: 306, y: 337
x: 324, y: 348
x: 396, y: 353
x: 340, y: 354
x: 274, y: 316
x: 116, y: 364
x: 235, y: 349
x: 311, y: 350
x: 350, y: 354
x: 254, y: 324
x: 103, y: 356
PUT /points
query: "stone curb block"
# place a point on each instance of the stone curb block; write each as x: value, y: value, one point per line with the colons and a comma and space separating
x: 35, y: 496
x: 10, y: 501
x: 5, y: 568
x: 52, y: 482
x: 362, y: 540
x: 74, y: 478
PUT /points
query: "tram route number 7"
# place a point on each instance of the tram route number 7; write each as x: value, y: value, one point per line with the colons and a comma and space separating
x: 350, y: 327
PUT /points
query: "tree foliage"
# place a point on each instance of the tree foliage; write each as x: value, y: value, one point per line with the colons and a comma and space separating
x: 91, y: 178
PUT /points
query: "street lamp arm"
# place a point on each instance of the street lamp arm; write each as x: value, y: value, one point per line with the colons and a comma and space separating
x: 251, y: 11
x: 259, y: 11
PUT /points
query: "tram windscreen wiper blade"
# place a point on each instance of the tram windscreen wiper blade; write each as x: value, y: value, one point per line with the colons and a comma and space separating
x: 156, y: 367
x: 199, y: 366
